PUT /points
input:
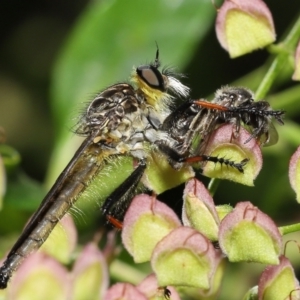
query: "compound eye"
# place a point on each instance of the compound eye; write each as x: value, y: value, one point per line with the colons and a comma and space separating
x: 152, y: 77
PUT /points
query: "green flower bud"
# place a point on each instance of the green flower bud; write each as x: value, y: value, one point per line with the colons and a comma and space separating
x: 247, y: 234
x: 90, y: 274
x: 38, y: 277
x: 222, y: 144
x: 199, y: 210
x: 223, y: 210
x: 279, y: 282
x: 243, y: 26
x: 146, y: 222
x: 160, y: 176
x: 184, y: 258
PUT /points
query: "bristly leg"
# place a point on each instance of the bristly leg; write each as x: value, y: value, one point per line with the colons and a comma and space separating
x: 239, y: 166
x: 118, y: 201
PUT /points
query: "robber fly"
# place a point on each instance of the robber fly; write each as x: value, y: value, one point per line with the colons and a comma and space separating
x: 133, y: 121
x: 123, y: 119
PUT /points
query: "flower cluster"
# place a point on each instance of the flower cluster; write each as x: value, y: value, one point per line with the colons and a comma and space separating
x: 187, y: 254
x: 43, y: 275
x: 192, y: 252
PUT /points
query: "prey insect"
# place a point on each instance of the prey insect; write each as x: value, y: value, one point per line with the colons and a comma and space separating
x: 192, y: 124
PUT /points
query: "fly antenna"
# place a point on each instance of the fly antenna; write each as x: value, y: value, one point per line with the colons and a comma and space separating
x: 156, y: 62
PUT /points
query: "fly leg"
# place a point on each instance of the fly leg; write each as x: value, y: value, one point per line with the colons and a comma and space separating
x: 221, y: 160
x: 176, y: 157
x: 117, y: 202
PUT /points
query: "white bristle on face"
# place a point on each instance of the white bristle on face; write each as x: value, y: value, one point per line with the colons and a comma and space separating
x: 177, y: 87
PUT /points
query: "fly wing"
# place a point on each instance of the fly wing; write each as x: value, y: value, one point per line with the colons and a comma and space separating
x: 271, y: 137
x: 49, y: 199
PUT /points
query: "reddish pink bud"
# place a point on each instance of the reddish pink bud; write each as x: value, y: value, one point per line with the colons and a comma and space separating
x: 124, y: 291
x: 223, y: 144
x: 38, y: 276
x: 279, y: 282
x: 247, y: 234
x: 294, y: 173
x: 184, y: 258
x: 199, y: 210
x: 244, y: 25
x: 150, y: 288
x: 146, y: 222
x: 89, y: 274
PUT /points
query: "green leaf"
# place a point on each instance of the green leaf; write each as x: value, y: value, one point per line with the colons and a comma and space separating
x: 23, y: 192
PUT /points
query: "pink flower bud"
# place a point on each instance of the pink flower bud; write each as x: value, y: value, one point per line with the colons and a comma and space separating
x: 89, y: 273
x: 244, y: 25
x: 199, y: 210
x: 38, y: 276
x: 150, y: 288
x: 124, y: 291
x: 247, y: 234
x: 223, y: 144
x: 184, y: 258
x: 279, y: 282
x: 146, y: 222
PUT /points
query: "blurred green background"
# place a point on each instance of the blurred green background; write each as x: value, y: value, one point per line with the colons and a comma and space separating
x: 55, y: 55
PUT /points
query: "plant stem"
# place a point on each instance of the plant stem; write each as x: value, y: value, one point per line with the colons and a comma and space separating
x: 289, y: 228
x: 280, y: 60
x: 121, y: 271
x: 213, y: 185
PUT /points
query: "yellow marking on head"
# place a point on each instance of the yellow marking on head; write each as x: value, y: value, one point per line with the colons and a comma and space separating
x: 154, y: 97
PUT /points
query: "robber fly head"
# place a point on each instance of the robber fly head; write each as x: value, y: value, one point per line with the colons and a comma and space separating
x: 155, y: 85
